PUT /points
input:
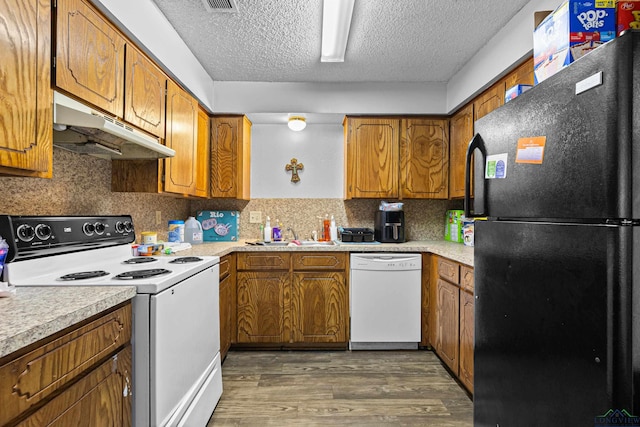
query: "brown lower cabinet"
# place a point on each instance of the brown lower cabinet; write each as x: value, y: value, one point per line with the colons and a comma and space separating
x: 81, y: 374
x: 292, y: 299
x: 227, y: 303
x: 448, y: 299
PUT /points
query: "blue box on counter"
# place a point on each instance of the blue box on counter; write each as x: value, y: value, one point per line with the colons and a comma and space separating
x: 571, y: 31
x: 515, y: 91
x: 219, y: 226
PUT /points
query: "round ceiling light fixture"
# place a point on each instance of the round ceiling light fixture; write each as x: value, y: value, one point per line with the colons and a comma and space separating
x: 297, y: 123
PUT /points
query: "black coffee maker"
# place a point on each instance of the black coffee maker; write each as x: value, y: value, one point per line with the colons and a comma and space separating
x: 389, y: 226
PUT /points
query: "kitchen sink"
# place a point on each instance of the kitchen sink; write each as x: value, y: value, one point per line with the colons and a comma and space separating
x: 290, y: 243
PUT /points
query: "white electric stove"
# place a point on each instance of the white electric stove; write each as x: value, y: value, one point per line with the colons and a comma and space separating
x: 176, y: 328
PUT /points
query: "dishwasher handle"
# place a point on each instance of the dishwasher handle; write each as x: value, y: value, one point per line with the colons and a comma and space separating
x: 391, y: 262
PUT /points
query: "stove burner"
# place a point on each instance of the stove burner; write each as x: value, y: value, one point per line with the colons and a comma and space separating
x: 84, y: 275
x: 185, y: 259
x: 139, y: 260
x: 142, y: 274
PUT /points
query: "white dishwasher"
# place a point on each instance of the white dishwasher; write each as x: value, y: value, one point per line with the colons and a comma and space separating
x: 385, y: 291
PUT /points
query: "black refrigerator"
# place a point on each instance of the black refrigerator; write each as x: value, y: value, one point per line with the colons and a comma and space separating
x: 556, y: 172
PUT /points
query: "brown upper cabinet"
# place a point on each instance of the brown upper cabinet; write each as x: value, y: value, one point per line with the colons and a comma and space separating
x: 396, y: 157
x: 230, y: 157
x: 90, y: 56
x: 202, y: 158
x: 26, y: 147
x: 145, y: 88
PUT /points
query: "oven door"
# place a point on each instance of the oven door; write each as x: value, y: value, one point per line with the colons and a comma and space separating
x: 185, y: 374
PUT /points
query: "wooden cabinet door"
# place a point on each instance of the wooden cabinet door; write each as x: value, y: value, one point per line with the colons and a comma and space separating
x: 372, y: 157
x: 263, y: 301
x: 466, y: 339
x: 26, y: 134
x: 89, y: 56
x: 448, y: 334
x: 489, y: 100
x: 226, y: 309
x: 230, y: 157
x: 461, y: 133
x: 522, y: 75
x: 319, y: 307
x: 145, y: 90
x: 182, y: 136
x: 424, y: 159
x: 202, y: 156
x: 101, y: 398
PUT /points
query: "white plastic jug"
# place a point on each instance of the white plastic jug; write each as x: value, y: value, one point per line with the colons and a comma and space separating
x: 192, y: 231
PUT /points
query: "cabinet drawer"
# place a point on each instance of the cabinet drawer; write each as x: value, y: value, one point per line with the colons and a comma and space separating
x: 466, y: 278
x: 38, y: 374
x: 263, y: 261
x: 319, y: 261
x: 225, y: 266
x: 449, y: 270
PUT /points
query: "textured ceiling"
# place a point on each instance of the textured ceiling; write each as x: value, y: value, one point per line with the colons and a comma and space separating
x: 390, y: 41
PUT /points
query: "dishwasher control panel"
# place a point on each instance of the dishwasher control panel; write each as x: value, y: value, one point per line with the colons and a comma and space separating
x: 386, y: 261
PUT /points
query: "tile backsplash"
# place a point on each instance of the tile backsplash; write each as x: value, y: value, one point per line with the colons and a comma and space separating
x: 81, y: 185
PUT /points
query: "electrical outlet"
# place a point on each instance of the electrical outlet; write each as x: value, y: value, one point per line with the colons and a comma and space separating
x: 255, y: 217
x: 158, y: 217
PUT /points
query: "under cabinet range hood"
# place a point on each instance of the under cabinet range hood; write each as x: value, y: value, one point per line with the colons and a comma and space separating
x: 82, y: 129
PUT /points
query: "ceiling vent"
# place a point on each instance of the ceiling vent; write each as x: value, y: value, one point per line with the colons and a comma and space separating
x: 220, y: 5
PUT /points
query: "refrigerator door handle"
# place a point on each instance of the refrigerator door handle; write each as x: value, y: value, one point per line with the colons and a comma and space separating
x: 476, y: 144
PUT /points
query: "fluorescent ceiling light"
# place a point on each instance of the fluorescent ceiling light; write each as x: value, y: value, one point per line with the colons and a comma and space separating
x: 297, y: 123
x: 336, y: 21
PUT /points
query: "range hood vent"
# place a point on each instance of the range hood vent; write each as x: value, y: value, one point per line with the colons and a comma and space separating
x: 81, y: 129
x: 220, y: 5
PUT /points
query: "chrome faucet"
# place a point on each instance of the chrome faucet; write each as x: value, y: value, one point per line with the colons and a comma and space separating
x: 295, y: 235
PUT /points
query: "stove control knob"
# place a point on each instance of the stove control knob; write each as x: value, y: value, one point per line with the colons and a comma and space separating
x: 119, y: 227
x: 128, y: 227
x: 43, y: 231
x: 25, y: 232
x: 88, y: 228
x: 99, y: 227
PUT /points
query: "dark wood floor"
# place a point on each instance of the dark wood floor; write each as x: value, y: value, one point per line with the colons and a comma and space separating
x: 335, y: 388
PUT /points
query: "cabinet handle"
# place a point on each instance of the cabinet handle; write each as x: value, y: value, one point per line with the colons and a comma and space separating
x: 476, y: 144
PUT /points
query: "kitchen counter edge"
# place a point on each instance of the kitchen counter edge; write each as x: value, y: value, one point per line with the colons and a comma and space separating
x: 454, y: 251
x: 34, y: 313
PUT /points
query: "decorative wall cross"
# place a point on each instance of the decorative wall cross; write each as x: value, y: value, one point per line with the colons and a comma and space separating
x: 294, y: 167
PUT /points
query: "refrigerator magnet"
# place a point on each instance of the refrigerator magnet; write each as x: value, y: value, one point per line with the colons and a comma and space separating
x: 496, y: 166
x: 531, y: 150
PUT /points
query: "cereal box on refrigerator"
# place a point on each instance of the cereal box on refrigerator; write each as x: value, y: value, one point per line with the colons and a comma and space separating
x: 219, y: 226
x: 571, y: 31
x: 628, y: 15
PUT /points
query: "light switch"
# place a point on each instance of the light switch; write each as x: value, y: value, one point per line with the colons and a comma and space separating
x: 158, y: 217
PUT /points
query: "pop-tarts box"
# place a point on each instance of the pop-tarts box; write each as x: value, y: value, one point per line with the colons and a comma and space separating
x: 571, y: 31
x: 219, y: 226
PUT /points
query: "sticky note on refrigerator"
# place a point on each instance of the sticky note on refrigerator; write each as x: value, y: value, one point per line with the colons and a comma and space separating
x: 496, y: 166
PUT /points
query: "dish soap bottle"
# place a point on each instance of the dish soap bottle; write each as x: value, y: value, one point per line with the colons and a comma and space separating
x: 267, y: 230
x: 326, y: 225
x: 192, y: 231
x: 333, y: 230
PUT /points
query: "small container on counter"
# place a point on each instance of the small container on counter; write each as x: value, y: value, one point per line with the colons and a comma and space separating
x: 176, y: 230
x: 149, y: 237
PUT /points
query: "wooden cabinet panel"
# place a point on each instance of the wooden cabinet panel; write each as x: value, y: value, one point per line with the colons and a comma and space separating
x: 89, y: 56
x: 102, y: 398
x: 424, y: 159
x: 182, y: 136
x: 263, y: 307
x: 461, y: 133
x: 489, y: 100
x: 319, y: 307
x: 30, y: 379
x: 466, y: 278
x: 319, y: 261
x: 372, y: 157
x: 202, y: 155
x: 26, y: 134
x: 523, y: 75
x: 145, y: 88
x: 466, y: 339
x: 226, y: 310
x: 263, y: 261
x: 230, y: 157
x: 225, y: 265
x: 447, y: 342
x: 427, y: 301
x: 449, y: 270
